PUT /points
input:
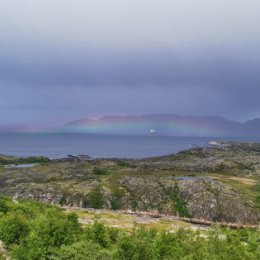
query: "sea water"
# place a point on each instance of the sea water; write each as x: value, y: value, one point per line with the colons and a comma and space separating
x: 96, y: 146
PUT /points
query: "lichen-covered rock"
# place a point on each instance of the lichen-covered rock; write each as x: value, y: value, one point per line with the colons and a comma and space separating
x: 143, y: 193
x: 216, y: 201
x: 228, y: 157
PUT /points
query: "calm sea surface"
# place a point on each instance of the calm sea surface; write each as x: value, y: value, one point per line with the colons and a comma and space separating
x: 61, y: 145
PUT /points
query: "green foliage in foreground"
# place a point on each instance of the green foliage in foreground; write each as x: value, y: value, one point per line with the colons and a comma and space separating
x: 33, y: 231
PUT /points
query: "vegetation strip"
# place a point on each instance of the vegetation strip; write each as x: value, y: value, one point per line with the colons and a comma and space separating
x: 168, y: 217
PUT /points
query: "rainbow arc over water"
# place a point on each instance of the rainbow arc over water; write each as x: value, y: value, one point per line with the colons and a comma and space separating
x: 139, y: 125
x: 143, y: 125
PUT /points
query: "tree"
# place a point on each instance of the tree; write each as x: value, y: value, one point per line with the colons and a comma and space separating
x: 96, y: 198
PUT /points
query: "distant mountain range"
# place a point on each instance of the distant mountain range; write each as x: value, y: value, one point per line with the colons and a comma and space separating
x: 165, y: 124
x: 161, y: 124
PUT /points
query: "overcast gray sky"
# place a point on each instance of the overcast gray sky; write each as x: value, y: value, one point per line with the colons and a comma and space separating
x: 61, y: 60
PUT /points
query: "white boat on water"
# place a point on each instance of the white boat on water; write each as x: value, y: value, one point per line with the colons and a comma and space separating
x: 152, y: 131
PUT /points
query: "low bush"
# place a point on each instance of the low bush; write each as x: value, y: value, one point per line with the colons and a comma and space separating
x: 100, y: 171
x: 33, y: 231
x: 96, y: 198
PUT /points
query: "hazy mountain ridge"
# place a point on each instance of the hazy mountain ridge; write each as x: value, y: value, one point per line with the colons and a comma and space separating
x: 160, y: 124
x: 166, y: 124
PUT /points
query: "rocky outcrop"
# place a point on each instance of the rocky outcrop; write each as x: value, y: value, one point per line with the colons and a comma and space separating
x: 202, y: 198
x: 144, y: 194
x: 216, y: 201
x: 228, y: 157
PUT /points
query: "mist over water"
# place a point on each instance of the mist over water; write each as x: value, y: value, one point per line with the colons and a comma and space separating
x: 97, y: 146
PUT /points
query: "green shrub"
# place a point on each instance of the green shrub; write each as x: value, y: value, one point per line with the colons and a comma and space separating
x: 256, y: 188
x: 4, y: 205
x: 49, y: 232
x: 96, y: 198
x: 36, y: 231
x: 83, y: 250
x: 13, y: 228
x: 116, y: 202
x: 39, y: 159
x: 179, y: 205
x: 137, y: 246
x: 100, y: 171
x: 99, y: 234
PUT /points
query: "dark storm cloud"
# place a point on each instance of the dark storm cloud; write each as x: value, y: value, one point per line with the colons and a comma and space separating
x: 105, y: 57
x: 204, y: 84
x: 135, y: 69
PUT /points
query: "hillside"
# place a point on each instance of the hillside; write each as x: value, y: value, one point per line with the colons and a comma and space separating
x: 218, y: 183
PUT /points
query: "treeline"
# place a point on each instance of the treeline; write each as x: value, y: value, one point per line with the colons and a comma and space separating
x: 36, y: 231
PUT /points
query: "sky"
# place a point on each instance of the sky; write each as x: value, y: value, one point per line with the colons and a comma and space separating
x: 62, y: 60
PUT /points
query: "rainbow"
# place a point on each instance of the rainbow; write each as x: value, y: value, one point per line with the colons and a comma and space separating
x: 179, y: 126
x: 139, y: 125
